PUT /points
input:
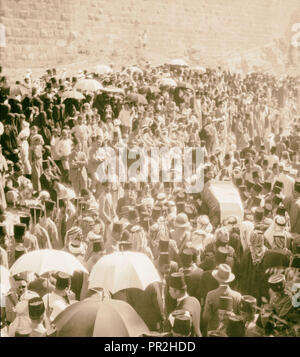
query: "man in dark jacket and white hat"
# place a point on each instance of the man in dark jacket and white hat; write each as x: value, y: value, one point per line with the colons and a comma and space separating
x: 224, y: 276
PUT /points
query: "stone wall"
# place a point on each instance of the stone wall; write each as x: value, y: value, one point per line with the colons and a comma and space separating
x: 43, y: 33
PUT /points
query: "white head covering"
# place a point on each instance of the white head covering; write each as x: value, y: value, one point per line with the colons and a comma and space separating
x: 24, y: 134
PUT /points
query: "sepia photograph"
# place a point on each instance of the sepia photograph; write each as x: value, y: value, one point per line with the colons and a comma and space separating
x: 149, y: 171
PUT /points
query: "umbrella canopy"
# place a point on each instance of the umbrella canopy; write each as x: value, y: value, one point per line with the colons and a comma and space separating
x: 199, y: 69
x: 123, y: 270
x: 72, y: 94
x: 184, y: 85
x: 113, y: 90
x: 89, y: 85
x: 135, y: 69
x: 47, y: 260
x: 103, y: 69
x: 4, y: 280
x: 136, y: 98
x: 95, y: 318
x: 178, y: 62
x: 168, y: 82
x: 149, y: 90
x: 17, y: 90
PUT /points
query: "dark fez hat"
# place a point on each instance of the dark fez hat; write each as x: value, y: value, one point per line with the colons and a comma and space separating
x: 177, y: 281
x: 36, y: 308
x: 62, y: 281
x: 19, y: 231
x: 182, y: 325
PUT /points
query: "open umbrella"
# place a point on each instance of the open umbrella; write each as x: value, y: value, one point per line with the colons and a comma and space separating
x: 89, y: 85
x: 103, y: 69
x: 168, y: 82
x: 184, y: 85
x: 17, y: 90
x: 95, y: 318
x: 47, y: 260
x: 135, y: 69
x: 123, y: 270
x: 178, y: 62
x: 4, y: 280
x: 72, y: 94
x: 136, y: 98
x: 199, y: 69
x: 113, y: 90
x: 149, y: 90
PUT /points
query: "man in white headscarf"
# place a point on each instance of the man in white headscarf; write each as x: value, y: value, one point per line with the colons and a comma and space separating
x: 277, y: 227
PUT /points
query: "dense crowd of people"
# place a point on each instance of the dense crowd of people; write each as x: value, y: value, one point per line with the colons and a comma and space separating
x: 219, y: 277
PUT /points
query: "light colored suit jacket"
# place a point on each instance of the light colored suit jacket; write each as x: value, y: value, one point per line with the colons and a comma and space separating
x: 106, y: 208
x: 51, y: 229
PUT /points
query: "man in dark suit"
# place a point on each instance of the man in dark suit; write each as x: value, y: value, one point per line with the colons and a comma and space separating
x: 178, y: 291
x: 207, y: 282
x: 165, y: 247
x: 47, y: 180
x: 169, y: 268
x: 18, y: 244
x: 192, y: 273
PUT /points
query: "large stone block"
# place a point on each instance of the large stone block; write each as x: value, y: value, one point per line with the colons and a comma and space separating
x: 114, y: 28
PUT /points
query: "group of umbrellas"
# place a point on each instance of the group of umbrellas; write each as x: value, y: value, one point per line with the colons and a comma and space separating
x: 93, y: 317
x: 93, y: 85
x: 88, y: 85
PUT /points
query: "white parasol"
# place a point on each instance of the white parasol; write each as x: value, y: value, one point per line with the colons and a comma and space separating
x: 47, y: 260
x: 103, y: 69
x: 89, y: 85
x: 123, y: 270
x: 178, y: 62
x: 4, y: 282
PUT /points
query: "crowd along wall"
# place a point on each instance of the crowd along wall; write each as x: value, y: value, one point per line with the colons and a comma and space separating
x: 39, y: 33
